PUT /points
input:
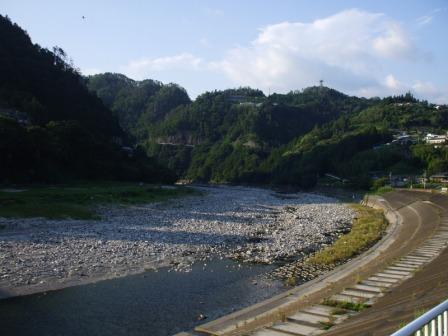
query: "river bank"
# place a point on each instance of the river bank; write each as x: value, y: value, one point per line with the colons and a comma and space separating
x: 246, y: 224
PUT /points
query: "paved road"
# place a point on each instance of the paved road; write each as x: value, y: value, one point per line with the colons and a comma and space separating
x: 425, y: 289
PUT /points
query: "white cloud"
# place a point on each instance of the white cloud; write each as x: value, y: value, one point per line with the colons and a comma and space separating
x: 392, y: 83
x: 428, y: 18
x: 148, y: 67
x: 354, y: 51
x: 424, y: 20
x: 394, y: 43
x: 348, y: 50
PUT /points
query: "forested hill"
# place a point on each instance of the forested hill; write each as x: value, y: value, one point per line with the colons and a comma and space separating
x: 45, y: 84
x: 242, y: 136
x: 51, y: 126
x: 134, y: 100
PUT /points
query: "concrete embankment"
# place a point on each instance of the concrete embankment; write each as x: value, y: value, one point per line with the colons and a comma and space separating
x: 414, y: 220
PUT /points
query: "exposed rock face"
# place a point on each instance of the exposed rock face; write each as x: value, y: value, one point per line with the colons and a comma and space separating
x: 255, y: 225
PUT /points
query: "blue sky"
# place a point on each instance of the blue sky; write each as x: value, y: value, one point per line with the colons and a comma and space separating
x: 368, y: 48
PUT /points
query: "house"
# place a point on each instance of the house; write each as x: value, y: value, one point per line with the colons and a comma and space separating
x: 440, y: 178
x: 21, y: 117
x: 435, y: 139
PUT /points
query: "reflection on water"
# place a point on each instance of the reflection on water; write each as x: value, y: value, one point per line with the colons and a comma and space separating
x: 153, y: 303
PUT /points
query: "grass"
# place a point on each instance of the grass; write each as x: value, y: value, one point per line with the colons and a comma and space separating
x: 367, y: 229
x: 383, y: 190
x: 326, y: 325
x: 291, y: 281
x: 78, y: 200
x: 339, y: 311
x: 346, y: 305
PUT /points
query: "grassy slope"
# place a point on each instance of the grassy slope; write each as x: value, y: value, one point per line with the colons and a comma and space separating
x: 367, y: 229
x: 78, y: 201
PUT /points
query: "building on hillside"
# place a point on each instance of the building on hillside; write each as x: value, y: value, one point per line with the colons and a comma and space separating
x: 439, y: 178
x: 435, y: 139
x: 21, y: 117
x: 404, y: 139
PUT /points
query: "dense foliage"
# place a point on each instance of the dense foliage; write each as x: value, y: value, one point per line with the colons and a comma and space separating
x: 242, y: 136
x: 51, y: 127
x: 136, y: 102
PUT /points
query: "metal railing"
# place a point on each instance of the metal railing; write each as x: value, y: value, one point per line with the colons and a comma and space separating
x: 432, y: 323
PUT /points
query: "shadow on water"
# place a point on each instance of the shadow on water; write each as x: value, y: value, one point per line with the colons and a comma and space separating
x: 153, y: 303
x: 133, y: 233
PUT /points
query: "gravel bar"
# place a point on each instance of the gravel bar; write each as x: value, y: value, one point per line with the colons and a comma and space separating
x: 248, y: 224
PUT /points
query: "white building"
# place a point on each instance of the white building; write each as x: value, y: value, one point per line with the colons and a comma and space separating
x: 435, y: 139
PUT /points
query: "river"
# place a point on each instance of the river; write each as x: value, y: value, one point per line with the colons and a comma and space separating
x: 152, y: 303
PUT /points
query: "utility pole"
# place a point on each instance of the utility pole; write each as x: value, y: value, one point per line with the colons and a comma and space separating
x: 321, y: 83
x: 424, y: 179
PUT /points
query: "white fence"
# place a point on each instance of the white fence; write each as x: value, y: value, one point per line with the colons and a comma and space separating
x: 432, y: 323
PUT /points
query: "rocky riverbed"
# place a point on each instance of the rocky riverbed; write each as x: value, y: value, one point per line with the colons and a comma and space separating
x: 248, y: 224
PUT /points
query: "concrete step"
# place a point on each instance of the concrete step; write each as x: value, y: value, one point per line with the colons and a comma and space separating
x: 428, y: 254
x: 379, y: 284
x: 431, y: 246
x: 294, y: 328
x: 359, y: 293
x: 401, y: 264
x: 387, y: 275
x: 428, y: 249
x: 404, y: 269
x: 375, y: 289
x: 412, y: 262
x: 392, y: 271
x: 347, y: 298
x: 320, y: 310
x: 413, y: 257
x: 302, y: 316
x: 383, y: 279
x: 268, y: 332
x: 435, y: 244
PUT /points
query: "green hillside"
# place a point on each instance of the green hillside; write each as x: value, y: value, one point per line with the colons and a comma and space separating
x: 52, y: 127
x: 242, y: 136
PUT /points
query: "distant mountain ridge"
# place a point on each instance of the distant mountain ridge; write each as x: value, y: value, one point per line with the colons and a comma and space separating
x: 242, y: 136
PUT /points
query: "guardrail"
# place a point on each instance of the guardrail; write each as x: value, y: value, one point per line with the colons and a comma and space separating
x: 432, y: 323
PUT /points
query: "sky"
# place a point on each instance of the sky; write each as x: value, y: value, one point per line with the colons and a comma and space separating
x: 364, y: 48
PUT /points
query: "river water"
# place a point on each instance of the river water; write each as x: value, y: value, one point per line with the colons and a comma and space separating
x: 152, y: 303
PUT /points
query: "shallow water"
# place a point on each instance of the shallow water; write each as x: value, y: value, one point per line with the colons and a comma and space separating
x: 153, y: 303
